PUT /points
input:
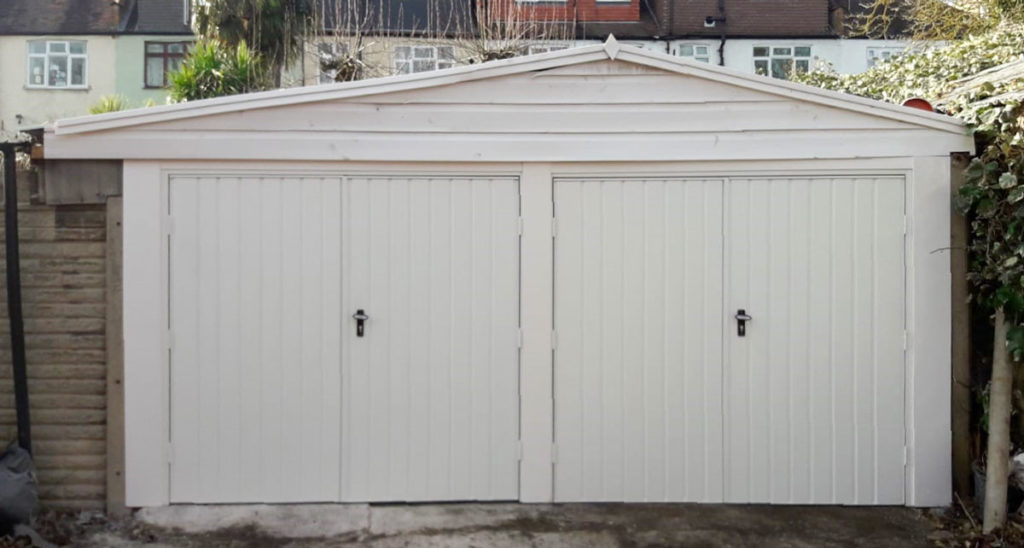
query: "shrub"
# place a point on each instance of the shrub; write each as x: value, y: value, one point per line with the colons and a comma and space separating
x: 212, y: 69
x: 109, y: 103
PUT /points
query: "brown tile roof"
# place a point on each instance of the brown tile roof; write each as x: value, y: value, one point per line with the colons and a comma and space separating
x: 58, y: 17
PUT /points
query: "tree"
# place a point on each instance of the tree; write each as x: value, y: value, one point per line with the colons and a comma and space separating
x: 981, y: 81
x: 356, y: 38
x: 934, y: 19
x: 213, y: 69
x: 273, y: 29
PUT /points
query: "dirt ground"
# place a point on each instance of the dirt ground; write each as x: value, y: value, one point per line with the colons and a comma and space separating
x: 500, y: 525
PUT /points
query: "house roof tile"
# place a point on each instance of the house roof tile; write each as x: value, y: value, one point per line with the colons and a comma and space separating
x: 58, y: 17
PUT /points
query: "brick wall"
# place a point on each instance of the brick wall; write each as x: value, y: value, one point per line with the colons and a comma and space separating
x: 570, y: 10
x: 789, y: 18
x: 63, y: 285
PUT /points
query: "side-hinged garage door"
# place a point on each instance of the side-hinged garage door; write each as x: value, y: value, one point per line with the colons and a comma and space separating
x: 815, y: 386
x: 638, y: 376
x: 730, y: 340
x: 343, y: 339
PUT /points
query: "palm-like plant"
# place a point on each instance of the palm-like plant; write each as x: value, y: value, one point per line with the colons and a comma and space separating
x: 214, y: 69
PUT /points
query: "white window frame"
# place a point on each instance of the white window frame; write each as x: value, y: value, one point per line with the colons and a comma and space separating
x: 876, y: 54
x: 702, y: 58
x: 47, y: 47
x: 778, y: 51
x: 406, y: 64
x: 537, y: 49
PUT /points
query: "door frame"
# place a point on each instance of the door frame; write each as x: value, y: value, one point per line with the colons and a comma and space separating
x: 928, y: 301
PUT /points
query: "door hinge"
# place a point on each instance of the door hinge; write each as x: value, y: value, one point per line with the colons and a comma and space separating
x: 520, y: 226
x: 170, y: 453
x: 554, y: 452
x: 519, y: 338
x: 906, y: 339
x: 554, y: 339
x: 906, y: 225
x: 169, y: 224
x: 170, y: 338
x: 554, y: 227
x: 519, y: 450
x: 906, y: 455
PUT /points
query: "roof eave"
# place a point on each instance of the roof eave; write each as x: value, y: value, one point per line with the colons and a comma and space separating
x: 611, y: 49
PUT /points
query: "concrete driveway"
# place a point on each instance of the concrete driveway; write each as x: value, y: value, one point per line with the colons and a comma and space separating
x: 500, y: 525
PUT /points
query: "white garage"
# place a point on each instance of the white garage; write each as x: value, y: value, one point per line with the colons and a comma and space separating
x: 599, y: 274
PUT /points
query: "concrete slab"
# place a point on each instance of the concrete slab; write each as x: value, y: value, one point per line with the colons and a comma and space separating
x: 399, y: 519
x: 542, y: 525
x: 277, y: 520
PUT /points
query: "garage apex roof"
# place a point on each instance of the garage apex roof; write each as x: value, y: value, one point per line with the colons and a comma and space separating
x: 611, y: 49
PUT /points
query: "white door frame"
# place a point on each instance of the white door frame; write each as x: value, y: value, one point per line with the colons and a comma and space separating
x: 928, y: 303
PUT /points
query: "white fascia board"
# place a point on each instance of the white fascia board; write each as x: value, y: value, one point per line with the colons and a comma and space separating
x: 609, y: 50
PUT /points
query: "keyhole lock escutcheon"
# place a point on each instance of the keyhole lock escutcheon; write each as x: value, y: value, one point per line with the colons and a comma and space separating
x: 741, y: 322
x: 360, y: 317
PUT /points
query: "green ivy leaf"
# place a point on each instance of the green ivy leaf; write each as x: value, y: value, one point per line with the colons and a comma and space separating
x: 1015, y: 196
x: 1007, y: 180
x: 985, y: 207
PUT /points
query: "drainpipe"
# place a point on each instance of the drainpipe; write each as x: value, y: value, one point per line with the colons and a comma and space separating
x: 713, y: 21
x: 721, y: 44
x: 14, y: 294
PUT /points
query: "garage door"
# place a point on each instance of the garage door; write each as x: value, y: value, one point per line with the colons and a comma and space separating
x: 277, y: 394
x: 659, y: 395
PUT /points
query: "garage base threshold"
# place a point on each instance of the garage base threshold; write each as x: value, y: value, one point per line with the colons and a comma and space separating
x: 509, y: 524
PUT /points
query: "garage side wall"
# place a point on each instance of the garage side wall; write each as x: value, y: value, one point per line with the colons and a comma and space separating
x: 63, y: 273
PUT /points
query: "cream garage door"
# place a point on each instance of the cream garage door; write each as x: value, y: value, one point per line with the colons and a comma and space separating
x: 275, y: 396
x: 658, y: 395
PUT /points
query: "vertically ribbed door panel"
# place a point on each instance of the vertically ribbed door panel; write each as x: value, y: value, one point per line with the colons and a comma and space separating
x: 430, y: 397
x: 815, y: 389
x: 254, y: 306
x: 638, y: 315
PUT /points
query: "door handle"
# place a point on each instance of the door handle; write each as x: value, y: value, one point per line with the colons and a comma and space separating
x: 741, y: 322
x: 360, y: 317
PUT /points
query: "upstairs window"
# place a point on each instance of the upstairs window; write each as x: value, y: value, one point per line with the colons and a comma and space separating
x: 545, y: 48
x: 697, y: 52
x: 161, y: 59
x: 781, y: 61
x: 58, y: 64
x: 881, y: 54
x: 410, y: 59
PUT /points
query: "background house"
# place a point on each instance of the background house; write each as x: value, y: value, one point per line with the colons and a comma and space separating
x: 60, y: 57
x: 775, y: 40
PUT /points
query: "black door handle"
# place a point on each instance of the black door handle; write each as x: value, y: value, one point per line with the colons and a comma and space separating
x: 360, y: 317
x: 741, y: 322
